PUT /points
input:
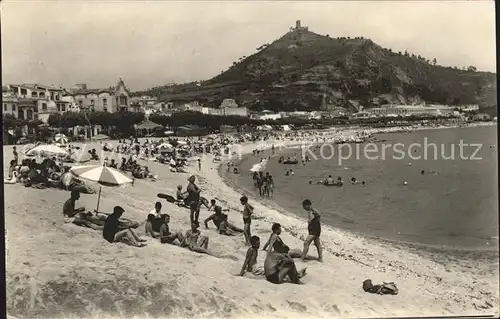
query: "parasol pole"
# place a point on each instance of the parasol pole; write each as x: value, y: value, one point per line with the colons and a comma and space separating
x: 98, y: 199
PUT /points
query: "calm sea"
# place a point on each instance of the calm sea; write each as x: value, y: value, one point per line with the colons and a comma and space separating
x: 452, y: 205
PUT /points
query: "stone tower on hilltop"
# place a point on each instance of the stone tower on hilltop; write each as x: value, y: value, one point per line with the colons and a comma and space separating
x: 298, y: 27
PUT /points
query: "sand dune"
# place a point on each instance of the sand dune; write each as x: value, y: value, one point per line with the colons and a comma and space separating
x: 60, y: 270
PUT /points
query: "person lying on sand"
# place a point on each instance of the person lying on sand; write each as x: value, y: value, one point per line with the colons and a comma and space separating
x: 250, y: 263
x: 77, y: 216
x: 278, y: 266
x: 218, y: 218
x: 194, y: 241
x: 166, y: 237
x: 112, y: 233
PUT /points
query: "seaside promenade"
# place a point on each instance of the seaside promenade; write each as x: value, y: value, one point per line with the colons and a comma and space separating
x: 56, y: 269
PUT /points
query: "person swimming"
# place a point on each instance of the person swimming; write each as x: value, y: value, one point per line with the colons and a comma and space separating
x: 329, y: 180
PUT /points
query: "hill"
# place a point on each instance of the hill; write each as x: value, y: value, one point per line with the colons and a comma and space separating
x: 303, y: 70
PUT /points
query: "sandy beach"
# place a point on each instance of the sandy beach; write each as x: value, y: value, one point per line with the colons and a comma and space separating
x: 62, y: 270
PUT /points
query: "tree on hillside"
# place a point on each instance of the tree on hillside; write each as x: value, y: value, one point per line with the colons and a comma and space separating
x: 434, y: 61
x: 472, y: 68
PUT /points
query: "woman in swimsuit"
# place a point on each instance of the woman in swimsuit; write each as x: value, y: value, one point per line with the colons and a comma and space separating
x: 194, y: 241
x: 247, y: 219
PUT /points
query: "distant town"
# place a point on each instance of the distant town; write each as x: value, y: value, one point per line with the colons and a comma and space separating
x: 38, y: 102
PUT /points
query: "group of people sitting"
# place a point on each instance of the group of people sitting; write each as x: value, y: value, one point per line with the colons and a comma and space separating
x: 50, y: 173
x: 131, y: 165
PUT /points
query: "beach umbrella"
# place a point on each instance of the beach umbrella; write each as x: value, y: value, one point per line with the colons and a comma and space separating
x: 165, y: 146
x: 103, y: 175
x: 48, y: 150
x: 60, y: 139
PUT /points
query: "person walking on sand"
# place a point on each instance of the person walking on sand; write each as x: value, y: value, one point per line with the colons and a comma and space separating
x: 193, y: 199
x: 314, y: 230
x: 247, y: 218
x: 112, y: 233
x: 199, y: 164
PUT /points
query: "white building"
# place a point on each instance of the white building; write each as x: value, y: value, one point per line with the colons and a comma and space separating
x: 469, y: 108
x: 415, y: 110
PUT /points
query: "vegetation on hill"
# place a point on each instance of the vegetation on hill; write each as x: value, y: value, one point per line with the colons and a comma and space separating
x: 303, y: 70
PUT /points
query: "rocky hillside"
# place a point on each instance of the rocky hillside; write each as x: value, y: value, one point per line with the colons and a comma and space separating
x: 306, y: 71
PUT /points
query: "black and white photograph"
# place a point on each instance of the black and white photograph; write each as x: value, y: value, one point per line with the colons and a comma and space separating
x: 250, y: 159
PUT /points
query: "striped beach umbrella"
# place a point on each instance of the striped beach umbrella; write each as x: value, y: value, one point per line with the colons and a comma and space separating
x: 60, y: 139
x: 103, y: 175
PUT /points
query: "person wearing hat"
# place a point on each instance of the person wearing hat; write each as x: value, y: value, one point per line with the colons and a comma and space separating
x: 193, y: 199
x: 112, y: 233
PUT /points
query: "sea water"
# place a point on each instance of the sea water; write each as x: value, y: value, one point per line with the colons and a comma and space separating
x: 447, y: 201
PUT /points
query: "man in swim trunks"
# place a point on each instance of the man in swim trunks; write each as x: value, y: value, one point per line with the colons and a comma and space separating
x: 166, y: 236
x: 218, y: 219
x: 314, y: 230
x: 277, y: 266
x: 193, y: 199
x: 247, y: 218
x: 250, y: 263
x: 112, y: 233
x: 69, y: 210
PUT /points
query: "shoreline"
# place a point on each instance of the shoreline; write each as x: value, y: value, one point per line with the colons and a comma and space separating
x: 462, y: 257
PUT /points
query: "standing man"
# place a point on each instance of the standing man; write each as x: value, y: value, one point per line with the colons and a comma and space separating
x: 314, y: 229
x: 199, y: 164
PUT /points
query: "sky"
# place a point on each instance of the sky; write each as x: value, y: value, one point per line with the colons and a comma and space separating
x: 154, y: 43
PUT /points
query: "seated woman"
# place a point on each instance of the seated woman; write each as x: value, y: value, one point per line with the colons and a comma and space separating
x: 194, y: 241
x: 276, y: 244
x: 113, y: 234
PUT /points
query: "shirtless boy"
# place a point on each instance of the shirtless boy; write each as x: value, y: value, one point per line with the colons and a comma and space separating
x: 314, y: 229
x: 250, y: 263
x: 166, y: 236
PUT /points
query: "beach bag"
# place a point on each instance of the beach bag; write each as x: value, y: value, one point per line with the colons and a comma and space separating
x: 387, y: 288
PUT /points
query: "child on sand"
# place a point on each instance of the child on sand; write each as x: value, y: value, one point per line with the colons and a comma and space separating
x: 250, y: 263
x: 314, y: 230
x: 166, y: 237
x: 247, y: 218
